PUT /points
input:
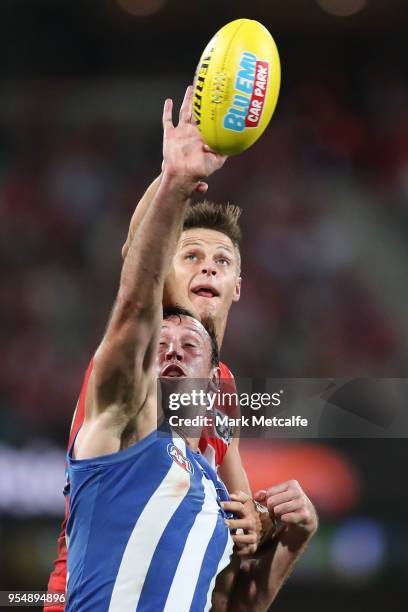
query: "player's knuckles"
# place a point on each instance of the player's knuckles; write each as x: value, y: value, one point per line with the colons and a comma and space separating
x: 252, y: 524
x: 282, y: 508
x: 239, y: 496
x: 294, y: 485
x: 244, y: 524
x: 233, y: 506
x: 303, y: 505
x: 249, y: 511
x: 279, y: 488
x: 246, y: 538
x: 270, y: 505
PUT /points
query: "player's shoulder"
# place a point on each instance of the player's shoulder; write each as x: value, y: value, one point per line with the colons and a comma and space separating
x: 225, y: 371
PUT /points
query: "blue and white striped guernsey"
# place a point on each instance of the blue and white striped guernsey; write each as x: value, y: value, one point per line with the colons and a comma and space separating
x: 146, y: 531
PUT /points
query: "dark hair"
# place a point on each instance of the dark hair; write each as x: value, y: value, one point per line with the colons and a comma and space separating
x: 216, y: 216
x: 178, y: 311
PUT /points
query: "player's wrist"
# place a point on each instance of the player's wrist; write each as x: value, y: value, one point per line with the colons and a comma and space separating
x: 182, y: 184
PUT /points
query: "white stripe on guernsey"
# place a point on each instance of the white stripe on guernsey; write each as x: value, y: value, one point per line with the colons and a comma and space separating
x: 224, y: 561
x: 209, y: 454
x: 143, y: 541
x: 188, y: 570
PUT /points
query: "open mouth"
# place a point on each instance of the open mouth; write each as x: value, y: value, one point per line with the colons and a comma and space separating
x: 206, y: 291
x: 172, y: 371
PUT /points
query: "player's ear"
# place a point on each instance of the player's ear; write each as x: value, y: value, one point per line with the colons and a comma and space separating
x: 237, y: 290
x: 215, y: 377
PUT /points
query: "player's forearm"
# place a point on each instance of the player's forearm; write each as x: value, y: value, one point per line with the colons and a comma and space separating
x: 276, y: 564
x: 154, y: 244
x: 140, y: 212
x: 261, y: 578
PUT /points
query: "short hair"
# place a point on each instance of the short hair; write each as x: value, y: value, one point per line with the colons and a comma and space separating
x: 178, y: 311
x: 221, y: 217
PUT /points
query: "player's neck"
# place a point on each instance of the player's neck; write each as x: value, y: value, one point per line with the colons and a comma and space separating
x: 192, y: 443
x: 220, y: 325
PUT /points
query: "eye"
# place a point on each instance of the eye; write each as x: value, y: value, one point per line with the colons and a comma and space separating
x: 223, y: 261
x: 189, y: 345
x: 191, y: 257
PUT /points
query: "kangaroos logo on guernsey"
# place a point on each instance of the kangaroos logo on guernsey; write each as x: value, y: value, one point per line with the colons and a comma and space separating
x: 178, y: 457
x: 251, y: 85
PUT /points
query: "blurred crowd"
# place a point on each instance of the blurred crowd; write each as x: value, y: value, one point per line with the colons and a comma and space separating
x: 325, y: 201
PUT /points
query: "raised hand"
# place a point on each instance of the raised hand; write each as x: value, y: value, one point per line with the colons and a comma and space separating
x: 185, y: 155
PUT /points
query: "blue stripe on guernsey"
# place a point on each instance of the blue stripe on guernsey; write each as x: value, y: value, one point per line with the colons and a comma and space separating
x: 144, y: 542
x: 171, y: 545
x: 206, y: 582
x: 95, y: 547
x: 192, y: 572
x: 146, y: 531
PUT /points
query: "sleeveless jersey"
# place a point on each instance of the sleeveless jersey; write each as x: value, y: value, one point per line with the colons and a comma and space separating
x: 146, y: 530
x: 213, y: 445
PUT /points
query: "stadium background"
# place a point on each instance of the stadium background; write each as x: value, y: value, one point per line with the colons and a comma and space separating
x: 325, y: 251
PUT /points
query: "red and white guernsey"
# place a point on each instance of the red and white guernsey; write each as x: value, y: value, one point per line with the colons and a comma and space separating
x: 213, y: 445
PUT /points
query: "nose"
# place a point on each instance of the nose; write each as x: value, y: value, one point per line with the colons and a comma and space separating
x: 174, y: 352
x: 208, y: 269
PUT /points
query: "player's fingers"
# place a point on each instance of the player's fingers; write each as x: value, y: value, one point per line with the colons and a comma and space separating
x: 209, y: 149
x: 279, y: 488
x: 240, y: 496
x: 280, y: 498
x: 245, y: 538
x: 233, y: 506
x: 247, y: 524
x: 201, y: 187
x: 168, y: 114
x: 221, y: 159
x: 186, y: 108
x: 246, y: 550
x: 292, y: 518
x: 291, y: 506
x: 260, y: 495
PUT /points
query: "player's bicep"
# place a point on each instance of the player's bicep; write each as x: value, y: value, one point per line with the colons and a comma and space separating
x: 121, y: 363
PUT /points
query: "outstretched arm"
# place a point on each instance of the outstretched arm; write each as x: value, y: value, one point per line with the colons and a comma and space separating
x: 140, y: 212
x: 128, y: 349
x: 143, y: 206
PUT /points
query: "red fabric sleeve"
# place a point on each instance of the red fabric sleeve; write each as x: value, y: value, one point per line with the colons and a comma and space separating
x: 209, y: 435
x: 58, y: 576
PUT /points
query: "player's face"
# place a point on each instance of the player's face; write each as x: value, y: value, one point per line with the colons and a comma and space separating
x: 206, y: 269
x: 184, y: 349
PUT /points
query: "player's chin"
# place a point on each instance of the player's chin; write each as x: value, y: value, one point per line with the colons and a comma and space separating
x: 205, y: 306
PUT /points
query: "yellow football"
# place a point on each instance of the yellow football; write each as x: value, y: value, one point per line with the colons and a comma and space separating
x: 236, y: 86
